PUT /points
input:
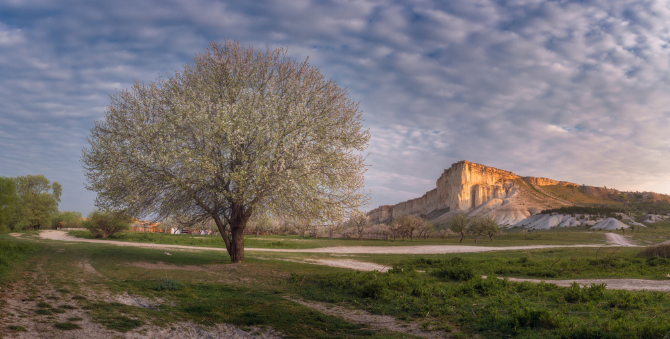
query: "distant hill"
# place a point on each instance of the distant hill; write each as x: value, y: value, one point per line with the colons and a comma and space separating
x: 509, y: 198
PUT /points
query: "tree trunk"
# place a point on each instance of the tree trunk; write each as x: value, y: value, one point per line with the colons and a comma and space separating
x: 237, y: 245
x: 462, y: 236
x: 238, y: 223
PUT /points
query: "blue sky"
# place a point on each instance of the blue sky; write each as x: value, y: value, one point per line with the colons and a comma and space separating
x: 575, y: 91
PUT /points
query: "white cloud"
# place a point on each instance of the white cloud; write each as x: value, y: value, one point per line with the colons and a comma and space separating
x: 571, y: 90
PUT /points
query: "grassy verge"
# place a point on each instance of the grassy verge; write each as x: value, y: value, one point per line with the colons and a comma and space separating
x: 12, y: 252
x: 453, y: 297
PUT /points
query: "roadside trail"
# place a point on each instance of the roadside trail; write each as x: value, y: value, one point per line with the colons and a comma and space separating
x: 612, y: 284
x: 427, y: 249
x: 619, y: 240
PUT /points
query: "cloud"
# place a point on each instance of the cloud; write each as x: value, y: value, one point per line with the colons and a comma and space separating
x: 573, y: 90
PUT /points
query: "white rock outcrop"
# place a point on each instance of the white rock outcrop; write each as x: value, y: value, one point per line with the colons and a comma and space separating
x: 609, y: 224
x: 547, y: 221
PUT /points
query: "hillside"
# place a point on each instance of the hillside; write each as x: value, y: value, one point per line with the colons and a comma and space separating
x: 509, y: 198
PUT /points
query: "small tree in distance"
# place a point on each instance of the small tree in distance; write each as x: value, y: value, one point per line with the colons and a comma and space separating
x: 459, y: 224
x: 359, y: 221
x: 408, y: 224
x: 105, y: 224
x: 238, y: 130
x: 492, y: 228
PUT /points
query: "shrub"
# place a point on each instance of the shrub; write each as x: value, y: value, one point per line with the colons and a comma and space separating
x: 104, y: 224
x: 166, y: 284
x: 456, y: 273
x: 660, y: 251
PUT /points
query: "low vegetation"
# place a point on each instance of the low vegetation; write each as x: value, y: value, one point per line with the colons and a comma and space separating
x: 105, y: 224
x: 657, y: 251
x: 450, y: 297
x: 13, y: 252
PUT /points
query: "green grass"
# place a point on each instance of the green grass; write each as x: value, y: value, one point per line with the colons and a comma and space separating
x: 166, y: 284
x: 446, y: 296
x: 577, y: 196
x: 16, y: 328
x: 13, y: 252
x: 250, y: 295
x: 494, y: 308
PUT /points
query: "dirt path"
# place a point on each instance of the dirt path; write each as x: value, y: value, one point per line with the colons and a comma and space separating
x: 612, y: 284
x: 425, y: 249
x: 619, y: 240
x: 373, y: 320
x: 33, y: 307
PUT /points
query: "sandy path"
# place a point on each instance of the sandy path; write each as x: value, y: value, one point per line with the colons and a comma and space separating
x: 612, y: 284
x: 619, y: 240
x: 426, y: 249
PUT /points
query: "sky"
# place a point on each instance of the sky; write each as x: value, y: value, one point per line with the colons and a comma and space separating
x: 571, y: 90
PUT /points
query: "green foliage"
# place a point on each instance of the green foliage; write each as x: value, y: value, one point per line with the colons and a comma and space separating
x: 37, y: 203
x: 12, y: 252
x: 105, y: 224
x: 166, y: 284
x: 67, y: 219
x: 16, y: 328
x: 493, y: 307
x: 459, y: 224
x: 8, y: 202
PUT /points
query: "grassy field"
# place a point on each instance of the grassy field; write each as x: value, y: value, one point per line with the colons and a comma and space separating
x: 440, y: 292
x: 512, y: 237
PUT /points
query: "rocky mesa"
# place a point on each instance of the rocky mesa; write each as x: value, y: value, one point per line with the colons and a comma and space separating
x: 478, y: 190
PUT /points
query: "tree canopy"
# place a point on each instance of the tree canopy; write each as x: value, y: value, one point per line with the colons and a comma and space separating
x: 8, y: 200
x: 236, y: 131
x: 37, y: 202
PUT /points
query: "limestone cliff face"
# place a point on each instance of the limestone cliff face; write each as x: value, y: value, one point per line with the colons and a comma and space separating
x: 466, y: 186
x: 462, y: 187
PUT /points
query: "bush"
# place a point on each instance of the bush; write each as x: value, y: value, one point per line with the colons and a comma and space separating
x: 456, y: 273
x: 660, y: 251
x: 105, y: 224
x: 166, y: 284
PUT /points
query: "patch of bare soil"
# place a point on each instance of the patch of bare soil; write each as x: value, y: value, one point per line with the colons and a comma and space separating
x: 619, y: 240
x: 612, y: 284
x: 376, y: 321
x: 86, y: 266
x: 190, y: 330
x: 32, y: 307
x: 355, y: 265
